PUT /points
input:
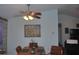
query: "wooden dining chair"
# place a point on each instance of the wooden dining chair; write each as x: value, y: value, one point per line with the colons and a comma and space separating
x: 56, y: 50
x: 18, y: 50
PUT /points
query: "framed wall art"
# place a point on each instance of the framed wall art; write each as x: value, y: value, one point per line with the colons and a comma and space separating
x: 32, y: 30
x: 66, y: 30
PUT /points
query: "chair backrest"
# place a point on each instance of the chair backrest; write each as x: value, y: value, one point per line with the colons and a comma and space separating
x: 18, y: 49
x: 56, y: 50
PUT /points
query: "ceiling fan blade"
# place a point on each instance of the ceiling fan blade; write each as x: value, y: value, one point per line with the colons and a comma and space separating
x: 34, y: 13
x: 37, y: 13
x: 37, y: 17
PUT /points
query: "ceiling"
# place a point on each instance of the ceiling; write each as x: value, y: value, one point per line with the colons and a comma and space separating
x: 10, y: 10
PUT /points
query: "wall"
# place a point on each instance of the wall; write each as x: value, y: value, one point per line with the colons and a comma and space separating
x: 49, y: 31
x: 67, y: 21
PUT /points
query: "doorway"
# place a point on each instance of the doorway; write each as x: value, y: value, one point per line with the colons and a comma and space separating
x: 60, y: 34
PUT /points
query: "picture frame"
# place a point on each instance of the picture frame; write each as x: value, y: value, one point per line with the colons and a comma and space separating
x: 77, y: 25
x: 66, y: 30
x: 32, y: 30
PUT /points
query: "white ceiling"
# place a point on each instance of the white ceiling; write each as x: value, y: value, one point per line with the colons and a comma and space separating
x: 10, y: 10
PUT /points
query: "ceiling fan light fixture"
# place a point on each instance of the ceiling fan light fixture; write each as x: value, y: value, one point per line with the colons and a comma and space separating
x: 25, y: 18
x: 28, y: 17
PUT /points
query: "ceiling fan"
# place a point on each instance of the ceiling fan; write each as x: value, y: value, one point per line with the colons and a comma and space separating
x: 30, y: 15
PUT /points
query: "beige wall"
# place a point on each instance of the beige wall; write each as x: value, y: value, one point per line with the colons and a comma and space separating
x: 49, y: 31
